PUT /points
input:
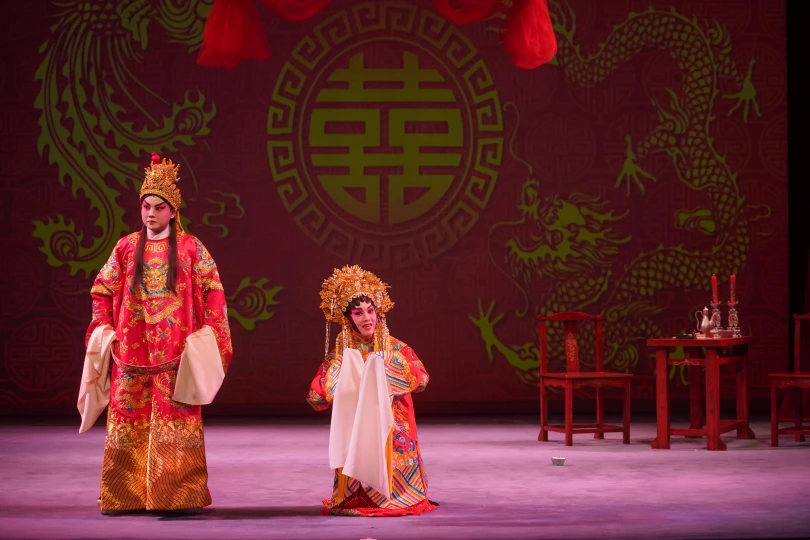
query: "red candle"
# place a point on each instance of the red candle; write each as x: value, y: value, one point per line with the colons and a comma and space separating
x: 732, y: 296
x: 715, y: 298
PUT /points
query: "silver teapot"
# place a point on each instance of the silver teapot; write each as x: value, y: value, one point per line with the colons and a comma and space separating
x: 704, y: 321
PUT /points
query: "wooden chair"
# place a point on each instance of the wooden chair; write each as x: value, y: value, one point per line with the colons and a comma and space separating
x: 798, y: 380
x: 572, y: 378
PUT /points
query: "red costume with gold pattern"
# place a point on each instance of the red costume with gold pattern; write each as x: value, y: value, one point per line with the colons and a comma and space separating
x: 154, y: 454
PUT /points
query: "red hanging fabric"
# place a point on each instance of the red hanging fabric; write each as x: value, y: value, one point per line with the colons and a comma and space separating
x: 529, y: 37
x: 233, y: 33
x: 465, y: 11
x: 295, y: 10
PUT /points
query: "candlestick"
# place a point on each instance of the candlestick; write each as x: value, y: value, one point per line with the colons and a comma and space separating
x: 715, y: 319
x: 732, y: 289
x: 733, y: 319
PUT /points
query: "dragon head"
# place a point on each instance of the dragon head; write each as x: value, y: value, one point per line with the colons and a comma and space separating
x: 560, y: 238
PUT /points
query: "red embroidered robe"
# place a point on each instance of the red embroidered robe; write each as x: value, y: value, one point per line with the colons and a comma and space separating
x: 154, y: 454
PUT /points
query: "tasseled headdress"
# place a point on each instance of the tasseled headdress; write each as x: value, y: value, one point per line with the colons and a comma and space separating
x: 337, y: 293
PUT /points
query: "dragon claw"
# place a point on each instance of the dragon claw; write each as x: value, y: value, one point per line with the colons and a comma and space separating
x: 486, y: 324
x: 747, y: 95
x: 632, y: 173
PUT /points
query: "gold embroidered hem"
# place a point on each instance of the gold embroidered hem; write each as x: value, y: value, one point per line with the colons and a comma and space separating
x: 157, y: 465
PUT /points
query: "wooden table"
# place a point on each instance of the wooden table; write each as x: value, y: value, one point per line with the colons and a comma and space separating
x: 720, y: 351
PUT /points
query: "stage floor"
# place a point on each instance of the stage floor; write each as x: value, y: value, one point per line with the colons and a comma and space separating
x: 491, y: 477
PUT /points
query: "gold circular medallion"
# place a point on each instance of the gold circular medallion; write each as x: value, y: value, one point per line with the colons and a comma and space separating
x: 385, y: 134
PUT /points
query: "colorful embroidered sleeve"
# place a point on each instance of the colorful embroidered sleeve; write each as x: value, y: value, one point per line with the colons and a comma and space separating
x: 405, y: 371
x: 322, y: 390
x: 106, y: 288
x: 210, y: 302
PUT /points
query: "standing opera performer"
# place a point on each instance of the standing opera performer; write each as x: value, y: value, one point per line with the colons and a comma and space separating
x: 158, y: 347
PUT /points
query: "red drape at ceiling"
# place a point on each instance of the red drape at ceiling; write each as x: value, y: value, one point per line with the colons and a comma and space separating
x: 233, y: 31
x: 528, y: 37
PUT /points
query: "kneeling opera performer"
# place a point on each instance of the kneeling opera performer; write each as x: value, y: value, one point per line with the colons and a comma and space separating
x: 368, y: 379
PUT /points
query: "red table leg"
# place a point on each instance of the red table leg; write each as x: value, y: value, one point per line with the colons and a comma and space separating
x: 569, y: 413
x: 661, y: 399
x: 626, y: 414
x: 713, y: 441
x: 745, y: 431
x: 774, y: 416
x: 695, y: 403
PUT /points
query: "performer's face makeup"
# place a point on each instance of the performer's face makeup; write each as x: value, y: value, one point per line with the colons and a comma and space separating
x: 156, y: 213
x: 364, y: 317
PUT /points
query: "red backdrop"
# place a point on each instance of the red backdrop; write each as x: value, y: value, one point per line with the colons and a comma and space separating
x: 649, y: 154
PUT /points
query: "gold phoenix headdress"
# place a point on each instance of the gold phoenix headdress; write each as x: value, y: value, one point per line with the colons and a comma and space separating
x: 340, y: 289
x: 161, y: 180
